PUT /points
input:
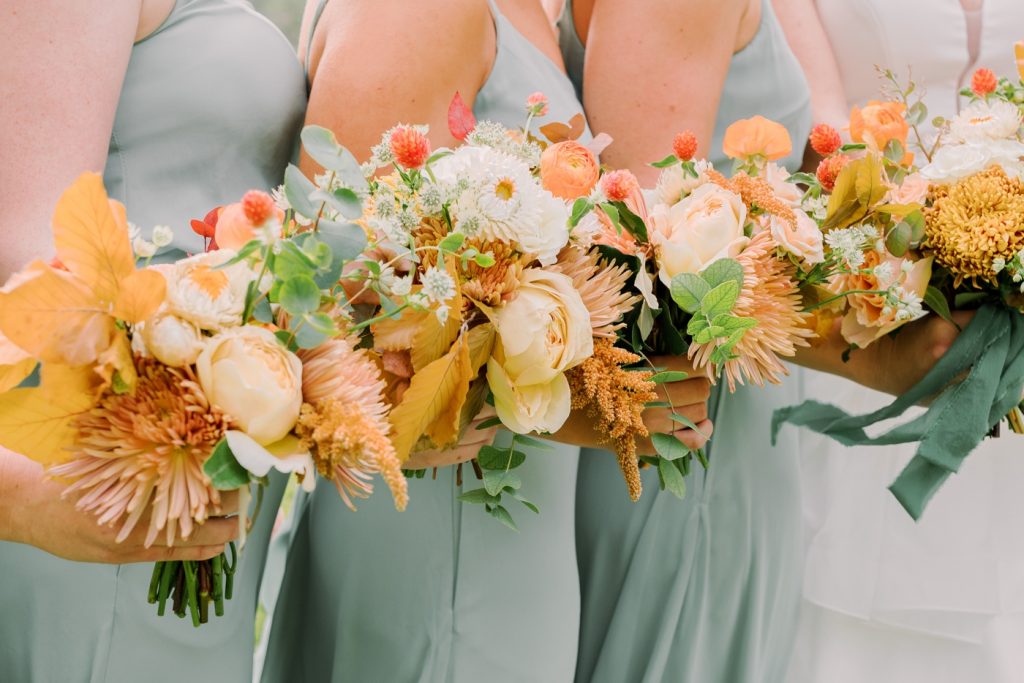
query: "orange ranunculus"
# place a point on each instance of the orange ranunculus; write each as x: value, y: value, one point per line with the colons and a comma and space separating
x: 241, y: 222
x: 757, y: 137
x: 569, y: 170
x: 878, y: 123
x: 1018, y: 53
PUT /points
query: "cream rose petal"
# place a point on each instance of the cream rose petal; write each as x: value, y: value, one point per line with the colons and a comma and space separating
x: 285, y: 456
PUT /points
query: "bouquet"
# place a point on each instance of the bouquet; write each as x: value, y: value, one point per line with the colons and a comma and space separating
x: 904, y: 240
x: 163, y: 386
x: 475, y: 290
x: 719, y: 263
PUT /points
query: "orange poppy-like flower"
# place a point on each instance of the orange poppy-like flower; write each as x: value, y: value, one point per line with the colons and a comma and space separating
x: 757, y: 137
x: 878, y: 123
x: 569, y: 170
x: 242, y: 222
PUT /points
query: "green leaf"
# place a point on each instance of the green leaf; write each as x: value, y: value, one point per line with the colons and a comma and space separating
x: 721, y: 299
x: 484, y: 260
x: 502, y: 515
x: 697, y: 325
x: 895, y: 151
x: 346, y: 240
x: 685, y: 421
x: 262, y: 311
x: 897, y: 241
x: 657, y: 404
x: 580, y: 208
x: 323, y: 147
x: 671, y: 478
x: 343, y: 200
x: 917, y: 113
x: 224, y: 471
x: 668, y: 446
x: 731, y: 323
x: 496, y: 480
x: 479, y: 497
x: 803, y: 178
x: 723, y: 270
x: 528, y: 504
x: 530, y: 442
x: 645, y: 321
x: 292, y: 262
x: 326, y: 278
x: 491, y: 458
x: 440, y: 154
x: 853, y: 147
x: 299, y: 295
x: 487, y: 424
x: 966, y: 299
x: 688, y: 290
x: 452, y: 242
x: 297, y: 189
x: 308, y: 337
x: 667, y: 161
x: 916, y: 222
x: 935, y: 300
x: 668, y: 376
x: 613, y: 215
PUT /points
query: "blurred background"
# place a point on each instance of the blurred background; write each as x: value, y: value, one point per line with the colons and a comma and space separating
x: 287, y: 14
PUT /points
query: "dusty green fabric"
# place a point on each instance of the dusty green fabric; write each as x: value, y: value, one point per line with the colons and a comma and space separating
x: 960, y: 416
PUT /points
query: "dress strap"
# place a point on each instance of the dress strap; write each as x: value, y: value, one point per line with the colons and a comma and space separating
x: 309, y: 36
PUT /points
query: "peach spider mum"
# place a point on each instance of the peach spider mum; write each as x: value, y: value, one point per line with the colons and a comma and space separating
x: 771, y: 297
x: 344, y: 421
x: 601, y: 285
x: 145, y: 452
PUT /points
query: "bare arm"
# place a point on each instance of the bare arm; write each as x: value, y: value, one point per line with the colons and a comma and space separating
x: 363, y: 84
x: 809, y: 42
x: 655, y: 68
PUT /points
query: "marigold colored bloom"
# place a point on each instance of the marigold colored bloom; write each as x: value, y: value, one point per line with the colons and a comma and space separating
x: 757, y: 137
x: 619, y: 185
x: 878, y: 123
x: 771, y: 297
x: 537, y: 104
x: 983, y: 82
x: 410, y: 147
x: 825, y: 139
x: 569, y: 170
x: 828, y: 170
x: 684, y: 145
x: 144, y: 452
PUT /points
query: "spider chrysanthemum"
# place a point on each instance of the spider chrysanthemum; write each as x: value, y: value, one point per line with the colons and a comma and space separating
x: 144, y: 452
x: 601, y: 285
x: 771, y: 297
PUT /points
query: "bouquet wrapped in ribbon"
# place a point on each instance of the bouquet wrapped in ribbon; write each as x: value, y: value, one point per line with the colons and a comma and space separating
x: 719, y: 263
x: 904, y: 240
x: 474, y: 289
x: 163, y: 386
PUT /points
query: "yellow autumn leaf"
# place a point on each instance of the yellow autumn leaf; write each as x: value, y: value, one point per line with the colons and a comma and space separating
x: 91, y: 239
x: 39, y: 422
x: 435, y: 394
x: 898, y: 211
x: 854, y: 184
x: 397, y: 334
x: 141, y: 293
x: 433, y: 339
x: 116, y: 366
x: 54, y: 317
x: 481, y: 344
x: 869, y: 185
x: 1018, y: 54
x: 15, y: 364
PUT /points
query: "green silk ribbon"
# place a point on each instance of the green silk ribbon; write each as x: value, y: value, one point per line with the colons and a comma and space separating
x: 963, y: 412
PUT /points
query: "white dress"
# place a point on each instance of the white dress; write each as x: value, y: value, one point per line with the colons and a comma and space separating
x: 886, y: 599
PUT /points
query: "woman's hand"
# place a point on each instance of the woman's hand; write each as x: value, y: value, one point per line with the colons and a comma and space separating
x: 894, y: 363
x: 472, y: 441
x: 688, y: 398
x: 33, y: 512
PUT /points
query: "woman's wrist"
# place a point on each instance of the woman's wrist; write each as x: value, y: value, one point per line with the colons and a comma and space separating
x: 17, y: 475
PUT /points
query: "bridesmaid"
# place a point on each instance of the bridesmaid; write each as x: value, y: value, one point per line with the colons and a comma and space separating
x: 704, y: 589
x: 184, y: 106
x: 440, y: 592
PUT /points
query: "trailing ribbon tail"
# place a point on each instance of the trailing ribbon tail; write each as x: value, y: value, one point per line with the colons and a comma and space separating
x: 962, y: 414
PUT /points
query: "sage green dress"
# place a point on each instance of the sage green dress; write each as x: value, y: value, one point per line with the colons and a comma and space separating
x: 704, y: 589
x: 210, y: 107
x: 441, y: 593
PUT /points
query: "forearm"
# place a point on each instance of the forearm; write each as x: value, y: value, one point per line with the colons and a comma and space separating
x: 18, y: 475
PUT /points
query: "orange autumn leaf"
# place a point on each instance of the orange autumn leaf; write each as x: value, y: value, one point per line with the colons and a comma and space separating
x: 39, y: 422
x: 116, y: 367
x: 757, y: 137
x: 54, y: 317
x: 397, y: 334
x: 1018, y: 53
x: 140, y: 295
x: 15, y: 364
x: 91, y: 237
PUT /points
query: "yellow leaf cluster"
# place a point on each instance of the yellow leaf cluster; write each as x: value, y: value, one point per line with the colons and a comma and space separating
x: 858, y: 188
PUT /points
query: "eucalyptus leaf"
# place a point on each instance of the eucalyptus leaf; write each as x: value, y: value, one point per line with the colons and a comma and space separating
x: 346, y: 240
x: 323, y: 147
x: 478, y: 497
x: 299, y: 295
x: 645, y: 321
x: 530, y: 442
x: 308, y: 337
x: 897, y: 240
x: 671, y: 478
x: 936, y: 301
x: 668, y: 376
x: 490, y: 422
x: 262, y: 311
x: 491, y: 458
x: 297, y: 190
x: 527, y: 503
x: 669, y: 447
x: 496, y: 480
x: 502, y: 515
x: 224, y: 470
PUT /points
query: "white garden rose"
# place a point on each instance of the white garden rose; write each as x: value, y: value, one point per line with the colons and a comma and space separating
x: 171, y: 340
x: 786, y: 191
x: 674, y: 183
x: 699, y: 230
x: 986, y: 120
x: 542, y: 332
x: 955, y: 161
x: 203, y: 292
x: 804, y: 239
x: 286, y: 455
x: 247, y: 373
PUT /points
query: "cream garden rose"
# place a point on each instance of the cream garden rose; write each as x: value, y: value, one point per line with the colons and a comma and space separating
x: 249, y: 375
x: 802, y: 239
x: 171, y: 340
x: 203, y: 291
x: 699, y: 230
x: 542, y: 333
